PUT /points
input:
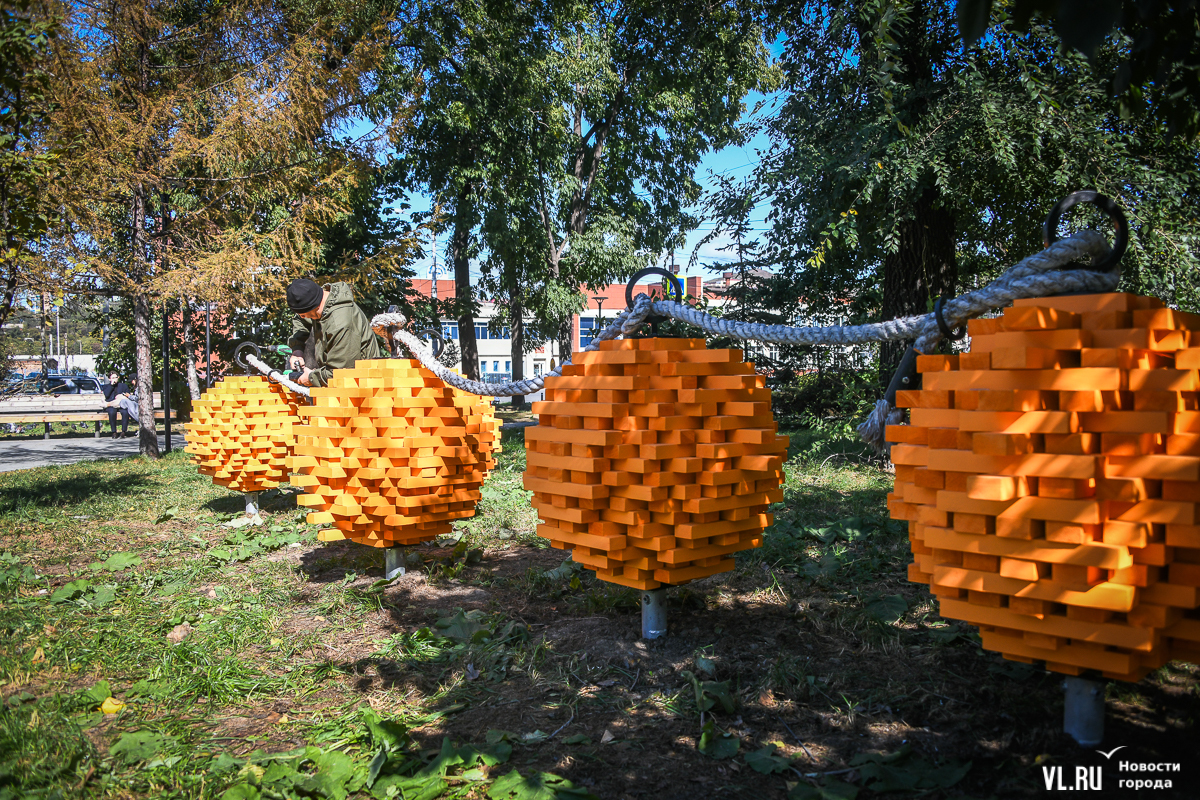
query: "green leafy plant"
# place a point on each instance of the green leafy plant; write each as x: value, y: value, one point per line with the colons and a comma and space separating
x: 537, y: 786
x: 116, y: 562
x: 242, y: 544
x: 901, y: 771
x: 140, y: 746
x: 13, y: 572
x: 710, y: 694
x: 717, y: 744
x: 885, y: 609
x: 765, y: 761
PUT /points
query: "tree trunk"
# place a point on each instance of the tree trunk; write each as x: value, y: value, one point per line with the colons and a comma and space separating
x: 10, y: 295
x: 464, y: 297
x: 923, y: 266
x: 140, y: 273
x: 189, y: 349
x: 566, y: 343
x: 516, y: 313
x: 10, y: 241
x: 147, y: 433
x: 921, y: 270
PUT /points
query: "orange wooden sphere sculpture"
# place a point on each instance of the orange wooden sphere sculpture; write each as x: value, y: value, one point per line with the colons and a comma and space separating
x: 654, y: 460
x: 241, y: 433
x: 1050, y: 478
x: 390, y: 454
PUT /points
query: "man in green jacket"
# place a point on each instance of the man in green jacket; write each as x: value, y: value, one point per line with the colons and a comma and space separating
x: 335, y: 330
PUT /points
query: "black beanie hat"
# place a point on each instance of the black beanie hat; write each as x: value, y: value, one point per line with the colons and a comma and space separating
x: 303, y: 295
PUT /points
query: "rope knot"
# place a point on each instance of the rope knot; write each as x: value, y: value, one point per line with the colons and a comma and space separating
x: 380, y: 323
x: 634, y: 317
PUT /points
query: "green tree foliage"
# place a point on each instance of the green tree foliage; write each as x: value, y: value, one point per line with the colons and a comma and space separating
x: 642, y: 91
x: 905, y: 166
x: 561, y: 137
x: 465, y: 65
x: 204, y: 147
x: 1160, y: 70
x: 26, y: 163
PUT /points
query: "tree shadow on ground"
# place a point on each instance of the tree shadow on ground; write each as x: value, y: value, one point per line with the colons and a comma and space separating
x: 274, y: 501
x: 67, y: 491
x: 332, y: 561
x: 812, y: 681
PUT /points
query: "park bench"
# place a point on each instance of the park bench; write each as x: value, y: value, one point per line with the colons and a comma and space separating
x: 24, y: 409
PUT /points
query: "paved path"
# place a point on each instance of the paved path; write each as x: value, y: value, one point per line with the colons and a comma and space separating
x: 29, y: 453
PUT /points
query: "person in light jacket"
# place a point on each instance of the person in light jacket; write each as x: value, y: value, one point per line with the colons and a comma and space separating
x: 114, y: 394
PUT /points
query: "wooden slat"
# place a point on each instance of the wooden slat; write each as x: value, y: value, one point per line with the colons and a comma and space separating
x: 68, y: 417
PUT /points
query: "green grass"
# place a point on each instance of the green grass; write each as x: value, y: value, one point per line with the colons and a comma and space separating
x: 303, y: 674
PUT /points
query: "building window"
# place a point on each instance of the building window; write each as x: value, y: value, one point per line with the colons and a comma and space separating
x: 508, y: 366
x: 587, y: 331
x: 481, y: 330
x: 450, y: 330
x: 538, y: 366
x: 482, y: 365
x: 495, y: 366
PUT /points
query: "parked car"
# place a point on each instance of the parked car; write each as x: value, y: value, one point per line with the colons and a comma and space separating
x: 70, y: 384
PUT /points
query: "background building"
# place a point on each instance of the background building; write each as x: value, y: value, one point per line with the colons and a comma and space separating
x: 495, y: 344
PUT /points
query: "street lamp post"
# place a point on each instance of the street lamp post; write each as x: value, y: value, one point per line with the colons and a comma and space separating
x: 599, y: 315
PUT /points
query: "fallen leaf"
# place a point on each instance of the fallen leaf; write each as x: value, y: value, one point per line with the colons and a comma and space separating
x: 607, y: 737
x: 39, y: 656
x: 111, y: 705
x: 179, y: 633
x: 607, y: 683
x: 212, y: 593
x: 282, y: 720
x: 472, y: 673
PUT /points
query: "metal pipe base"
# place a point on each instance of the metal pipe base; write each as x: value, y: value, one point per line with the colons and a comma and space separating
x: 654, y: 614
x: 393, y: 562
x: 251, y: 503
x: 1083, y: 710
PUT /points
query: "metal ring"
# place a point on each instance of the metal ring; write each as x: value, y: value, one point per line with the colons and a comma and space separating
x: 237, y: 355
x: 941, y: 321
x: 1105, y: 204
x: 438, y: 343
x: 675, y: 284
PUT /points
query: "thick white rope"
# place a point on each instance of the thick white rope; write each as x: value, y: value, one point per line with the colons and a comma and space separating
x: 626, y: 323
x: 275, y: 375
x: 1036, y: 276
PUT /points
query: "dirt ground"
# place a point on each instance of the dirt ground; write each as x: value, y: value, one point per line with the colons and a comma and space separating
x: 804, y: 679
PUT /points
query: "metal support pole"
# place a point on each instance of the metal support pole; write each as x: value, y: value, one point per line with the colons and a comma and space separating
x: 251, y: 503
x: 1083, y: 711
x: 654, y: 614
x: 393, y: 562
x: 207, y: 345
x: 166, y: 391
